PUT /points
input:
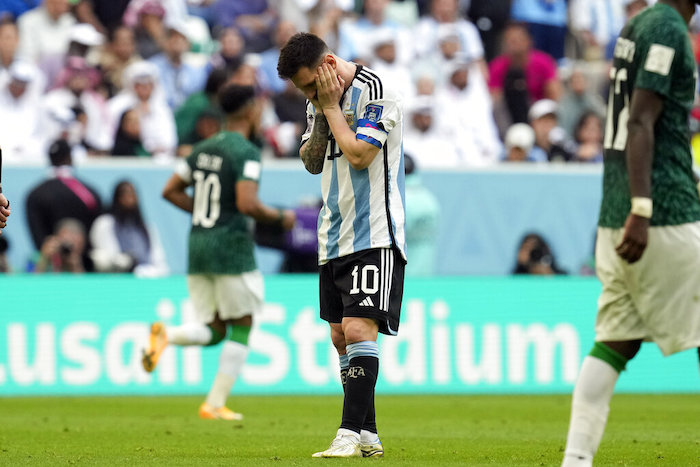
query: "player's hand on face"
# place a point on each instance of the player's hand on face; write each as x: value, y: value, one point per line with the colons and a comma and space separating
x: 289, y: 218
x: 634, y: 239
x: 329, y: 87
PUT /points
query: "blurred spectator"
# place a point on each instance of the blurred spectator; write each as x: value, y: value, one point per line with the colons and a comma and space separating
x: 20, y: 129
x: 422, y: 223
x: 254, y: 18
x: 83, y: 39
x: 44, y: 32
x: 60, y: 196
x: 142, y: 93
x: 76, y: 90
x: 490, y: 18
x: 519, y: 140
x: 9, y: 40
x: 578, y: 98
x: 547, y: 22
x: 357, y: 36
x: 230, y: 51
x: 116, y: 56
x: 203, y: 9
x: 14, y: 8
x: 475, y: 131
x: 198, y: 104
x: 127, y: 140
x: 535, y: 257
x: 178, y: 78
x: 551, y: 141
x: 4, y: 263
x: 521, y: 76
x: 123, y: 242
x: 634, y: 7
x: 104, y: 15
x: 444, y: 20
x: 64, y: 251
x: 596, y: 24
x: 146, y: 19
x: 424, y: 140
x: 270, y: 80
x: 324, y: 19
x: 384, y: 61
x: 589, y: 137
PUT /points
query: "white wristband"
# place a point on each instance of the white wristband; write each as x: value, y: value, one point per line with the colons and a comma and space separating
x: 642, y: 207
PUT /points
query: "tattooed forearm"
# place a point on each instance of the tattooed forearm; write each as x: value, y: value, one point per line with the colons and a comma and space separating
x: 313, y: 152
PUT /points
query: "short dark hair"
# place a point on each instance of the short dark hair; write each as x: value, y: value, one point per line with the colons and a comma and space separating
x: 302, y: 50
x: 60, y: 153
x: 234, y: 97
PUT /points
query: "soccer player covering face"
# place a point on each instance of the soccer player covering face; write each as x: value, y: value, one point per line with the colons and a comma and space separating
x: 648, y: 244
x: 353, y: 139
x: 224, y: 283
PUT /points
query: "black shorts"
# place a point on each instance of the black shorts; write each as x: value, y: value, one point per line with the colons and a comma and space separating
x: 366, y: 284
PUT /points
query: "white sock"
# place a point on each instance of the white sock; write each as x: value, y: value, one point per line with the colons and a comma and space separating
x: 346, y: 432
x: 368, y: 437
x: 231, y: 361
x: 188, y: 334
x: 589, y: 410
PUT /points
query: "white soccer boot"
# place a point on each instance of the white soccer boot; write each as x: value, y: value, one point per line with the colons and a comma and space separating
x: 370, y: 445
x: 345, y: 444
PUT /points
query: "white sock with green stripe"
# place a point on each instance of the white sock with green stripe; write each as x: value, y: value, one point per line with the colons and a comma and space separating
x: 590, y: 404
x: 189, y: 334
x: 233, y: 356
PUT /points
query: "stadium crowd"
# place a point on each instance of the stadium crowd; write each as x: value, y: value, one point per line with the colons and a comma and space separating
x: 483, y: 83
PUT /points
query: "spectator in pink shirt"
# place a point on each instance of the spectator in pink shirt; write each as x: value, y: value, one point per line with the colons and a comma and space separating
x: 521, y: 76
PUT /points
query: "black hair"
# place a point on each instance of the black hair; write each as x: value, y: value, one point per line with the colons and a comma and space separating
x: 540, y: 253
x: 122, y: 215
x: 60, y: 153
x: 234, y: 97
x: 125, y: 144
x: 216, y: 79
x: 301, y: 50
x: 112, y: 31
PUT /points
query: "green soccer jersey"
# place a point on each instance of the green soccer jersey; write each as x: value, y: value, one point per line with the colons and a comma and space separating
x: 220, y: 240
x: 653, y: 52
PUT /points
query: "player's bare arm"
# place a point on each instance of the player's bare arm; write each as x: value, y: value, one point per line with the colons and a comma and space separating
x: 330, y: 86
x: 174, y: 192
x: 645, y: 108
x: 313, y: 152
x: 248, y: 203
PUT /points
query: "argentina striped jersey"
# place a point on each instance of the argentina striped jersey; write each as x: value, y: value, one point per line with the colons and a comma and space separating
x: 363, y: 209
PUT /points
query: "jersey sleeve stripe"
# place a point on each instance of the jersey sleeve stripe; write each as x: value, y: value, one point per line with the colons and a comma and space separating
x: 369, y: 87
x: 376, y: 80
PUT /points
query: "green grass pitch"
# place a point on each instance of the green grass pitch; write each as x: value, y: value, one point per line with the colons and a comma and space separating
x: 284, y: 430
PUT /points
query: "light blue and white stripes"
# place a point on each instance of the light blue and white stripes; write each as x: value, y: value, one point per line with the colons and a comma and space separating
x: 363, y: 349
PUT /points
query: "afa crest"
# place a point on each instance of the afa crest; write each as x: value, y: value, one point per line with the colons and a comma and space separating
x: 350, y: 118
